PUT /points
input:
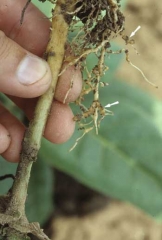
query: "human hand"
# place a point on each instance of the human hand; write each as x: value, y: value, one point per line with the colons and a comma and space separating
x: 24, y: 77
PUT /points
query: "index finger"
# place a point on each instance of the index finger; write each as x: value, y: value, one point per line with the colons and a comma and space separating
x: 33, y: 34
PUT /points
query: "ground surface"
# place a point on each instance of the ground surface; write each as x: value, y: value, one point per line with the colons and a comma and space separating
x: 120, y: 221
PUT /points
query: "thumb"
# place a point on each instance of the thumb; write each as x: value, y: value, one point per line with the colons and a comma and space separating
x: 22, y: 74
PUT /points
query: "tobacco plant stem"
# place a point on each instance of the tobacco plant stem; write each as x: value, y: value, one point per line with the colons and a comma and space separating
x: 32, y: 140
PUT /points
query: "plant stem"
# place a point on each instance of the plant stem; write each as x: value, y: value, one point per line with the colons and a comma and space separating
x: 32, y: 140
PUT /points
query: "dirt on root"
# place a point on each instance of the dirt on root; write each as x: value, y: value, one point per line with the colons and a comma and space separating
x: 117, y: 220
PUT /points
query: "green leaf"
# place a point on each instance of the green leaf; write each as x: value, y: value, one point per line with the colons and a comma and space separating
x: 123, y: 3
x: 11, y: 107
x: 44, y: 7
x: 39, y: 202
x: 6, y: 168
x: 124, y: 160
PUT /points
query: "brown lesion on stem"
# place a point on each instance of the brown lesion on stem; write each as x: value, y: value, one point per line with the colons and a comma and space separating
x: 14, y: 213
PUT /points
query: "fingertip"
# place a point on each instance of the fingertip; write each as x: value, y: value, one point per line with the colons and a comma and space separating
x: 60, y: 125
x: 5, y: 139
x: 22, y: 73
x: 34, y: 76
x: 15, y: 130
x: 31, y: 69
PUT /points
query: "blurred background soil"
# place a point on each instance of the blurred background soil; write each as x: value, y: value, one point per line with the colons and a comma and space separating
x: 148, y: 43
x: 88, y: 215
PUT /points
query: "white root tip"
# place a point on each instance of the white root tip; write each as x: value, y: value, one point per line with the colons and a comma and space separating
x: 143, y: 75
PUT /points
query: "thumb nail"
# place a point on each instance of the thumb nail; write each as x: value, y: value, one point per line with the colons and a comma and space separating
x: 31, y: 69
